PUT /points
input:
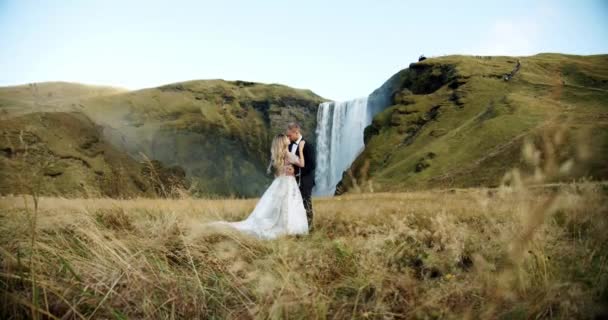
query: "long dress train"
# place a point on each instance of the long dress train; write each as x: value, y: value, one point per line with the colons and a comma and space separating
x: 280, y: 210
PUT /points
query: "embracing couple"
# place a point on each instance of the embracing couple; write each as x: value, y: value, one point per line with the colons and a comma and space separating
x: 285, y: 207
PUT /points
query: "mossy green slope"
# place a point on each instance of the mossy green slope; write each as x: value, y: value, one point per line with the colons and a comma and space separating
x: 456, y: 122
x: 64, y: 154
x: 218, y: 131
x: 49, y: 97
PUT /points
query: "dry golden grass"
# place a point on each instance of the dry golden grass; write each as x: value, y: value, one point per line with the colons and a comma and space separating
x: 478, y: 253
x: 524, y: 250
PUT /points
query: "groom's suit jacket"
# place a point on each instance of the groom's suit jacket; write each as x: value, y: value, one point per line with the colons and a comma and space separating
x: 306, y: 175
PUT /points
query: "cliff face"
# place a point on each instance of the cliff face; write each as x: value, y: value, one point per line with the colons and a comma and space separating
x: 219, y: 132
x: 461, y: 121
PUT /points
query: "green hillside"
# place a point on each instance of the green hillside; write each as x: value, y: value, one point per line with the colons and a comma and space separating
x: 64, y: 154
x: 218, y: 131
x: 455, y: 121
x: 49, y: 97
x: 452, y: 121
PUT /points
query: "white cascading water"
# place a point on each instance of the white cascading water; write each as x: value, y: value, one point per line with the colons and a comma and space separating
x: 340, y: 127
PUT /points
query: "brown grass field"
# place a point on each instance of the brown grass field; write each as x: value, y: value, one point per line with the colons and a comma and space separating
x: 524, y: 250
x: 513, y: 252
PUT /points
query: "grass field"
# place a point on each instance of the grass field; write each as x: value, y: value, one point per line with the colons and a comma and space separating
x: 512, y: 253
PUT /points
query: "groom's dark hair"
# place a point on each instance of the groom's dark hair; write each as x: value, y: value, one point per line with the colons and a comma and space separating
x: 293, y: 125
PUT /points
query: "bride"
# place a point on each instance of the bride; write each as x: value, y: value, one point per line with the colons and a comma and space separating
x: 280, y: 211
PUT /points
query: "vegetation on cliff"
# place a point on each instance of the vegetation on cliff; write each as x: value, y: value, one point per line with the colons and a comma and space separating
x: 456, y: 121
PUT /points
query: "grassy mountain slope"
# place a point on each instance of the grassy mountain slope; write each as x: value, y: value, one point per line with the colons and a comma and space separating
x: 49, y: 97
x: 64, y: 154
x: 218, y: 131
x: 455, y: 122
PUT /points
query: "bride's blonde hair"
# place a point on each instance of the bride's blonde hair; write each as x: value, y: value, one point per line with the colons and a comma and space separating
x: 278, y: 151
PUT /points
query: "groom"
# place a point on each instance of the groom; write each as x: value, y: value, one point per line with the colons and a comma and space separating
x: 305, y: 176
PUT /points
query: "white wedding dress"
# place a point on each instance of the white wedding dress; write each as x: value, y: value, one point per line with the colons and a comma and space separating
x: 279, y: 212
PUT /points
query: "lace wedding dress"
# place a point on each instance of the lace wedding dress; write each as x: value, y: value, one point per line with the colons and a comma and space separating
x: 279, y: 212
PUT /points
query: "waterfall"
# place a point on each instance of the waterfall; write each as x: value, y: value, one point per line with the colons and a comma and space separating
x: 340, y: 127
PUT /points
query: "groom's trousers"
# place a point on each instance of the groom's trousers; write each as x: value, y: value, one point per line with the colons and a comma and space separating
x: 306, y: 184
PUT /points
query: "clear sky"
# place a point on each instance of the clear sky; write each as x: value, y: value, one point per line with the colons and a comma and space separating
x: 338, y: 49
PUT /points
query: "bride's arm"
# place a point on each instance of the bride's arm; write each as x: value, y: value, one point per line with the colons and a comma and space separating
x: 293, y: 159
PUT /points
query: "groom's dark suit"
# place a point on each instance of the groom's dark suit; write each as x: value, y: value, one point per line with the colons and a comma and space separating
x: 306, y: 177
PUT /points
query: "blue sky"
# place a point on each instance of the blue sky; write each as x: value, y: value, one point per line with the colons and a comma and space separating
x: 339, y: 49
